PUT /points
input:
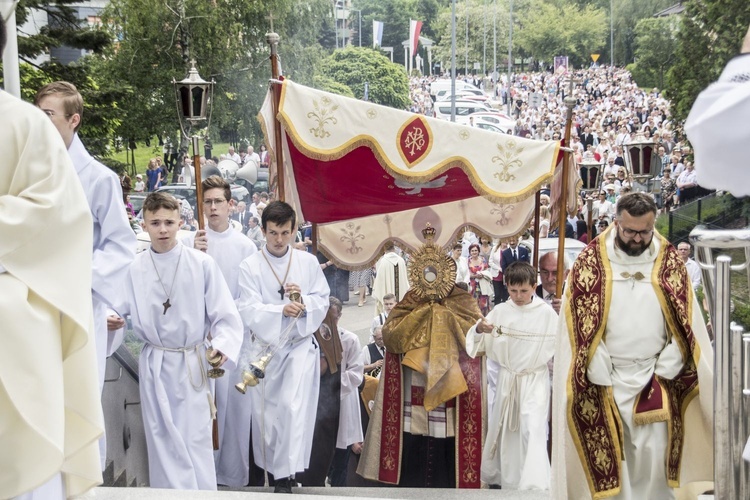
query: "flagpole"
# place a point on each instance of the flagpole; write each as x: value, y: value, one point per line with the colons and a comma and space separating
x: 273, y: 41
x: 453, y: 60
x: 569, y: 103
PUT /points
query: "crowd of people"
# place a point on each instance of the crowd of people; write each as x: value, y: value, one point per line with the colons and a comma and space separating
x: 566, y: 398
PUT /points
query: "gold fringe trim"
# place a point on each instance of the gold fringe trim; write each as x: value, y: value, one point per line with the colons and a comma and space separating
x: 408, y: 248
x: 613, y: 418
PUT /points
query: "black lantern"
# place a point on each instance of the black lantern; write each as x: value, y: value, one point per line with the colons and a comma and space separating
x: 642, y: 161
x: 591, y: 172
x: 192, y: 94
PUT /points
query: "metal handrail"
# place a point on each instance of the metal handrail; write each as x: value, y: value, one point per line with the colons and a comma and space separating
x: 731, y: 395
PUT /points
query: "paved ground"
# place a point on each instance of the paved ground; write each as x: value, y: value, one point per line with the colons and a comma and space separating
x: 358, y: 319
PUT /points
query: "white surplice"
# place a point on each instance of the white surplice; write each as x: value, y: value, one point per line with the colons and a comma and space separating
x: 633, y: 348
x: 229, y: 248
x: 285, y: 403
x: 114, y: 250
x: 352, y: 373
x: 175, y: 397
x: 716, y: 127
x: 515, y: 450
x: 114, y: 243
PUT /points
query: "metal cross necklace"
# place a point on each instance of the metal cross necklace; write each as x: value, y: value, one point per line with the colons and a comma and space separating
x: 288, y: 267
x: 166, y: 304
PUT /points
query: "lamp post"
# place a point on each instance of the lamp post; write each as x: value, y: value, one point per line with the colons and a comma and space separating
x: 359, y: 30
x: 611, y: 33
x: 11, y: 72
x: 194, y: 97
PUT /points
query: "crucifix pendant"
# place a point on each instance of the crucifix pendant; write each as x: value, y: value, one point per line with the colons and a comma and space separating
x: 281, y: 292
x: 166, y: 305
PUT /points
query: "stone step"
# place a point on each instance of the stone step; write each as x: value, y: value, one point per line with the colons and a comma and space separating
x: 103, y: 493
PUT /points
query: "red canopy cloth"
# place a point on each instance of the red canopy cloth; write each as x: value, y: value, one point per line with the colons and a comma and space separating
x: 348, y: 159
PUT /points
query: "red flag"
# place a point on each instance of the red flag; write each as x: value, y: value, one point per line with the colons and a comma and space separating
x: 415, y: 28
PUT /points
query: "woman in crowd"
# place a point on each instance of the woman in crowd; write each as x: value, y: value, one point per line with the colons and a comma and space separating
x: 153, y: 175
x: 480, y: 285
x: 668, y: 190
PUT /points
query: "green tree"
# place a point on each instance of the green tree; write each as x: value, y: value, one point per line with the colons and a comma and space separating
x: 710, y: 34
x: 546, y: 29
x: 63, y: 28
x: 158, y: 38
x: 656, y: 42
x: 354, y: 66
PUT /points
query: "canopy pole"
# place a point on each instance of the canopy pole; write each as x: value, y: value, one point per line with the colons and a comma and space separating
x: 569, y: 103
x: 314, y: 238
x: 273, y: 41
x: 537, y: 209
x: 198, y: 184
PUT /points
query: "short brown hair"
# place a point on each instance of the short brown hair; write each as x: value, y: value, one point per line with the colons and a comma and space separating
x: 520, y: 273
x: 217, y: 182
x: 158, y: 200
x: 636, y: 204
x: 72, y: 100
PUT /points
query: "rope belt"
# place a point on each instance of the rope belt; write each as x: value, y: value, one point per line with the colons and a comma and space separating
x: 622, y: 362
x: 511, y: 410
x: 203, y: 382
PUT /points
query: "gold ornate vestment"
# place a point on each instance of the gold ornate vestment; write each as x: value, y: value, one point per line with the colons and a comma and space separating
x: 591, y: 413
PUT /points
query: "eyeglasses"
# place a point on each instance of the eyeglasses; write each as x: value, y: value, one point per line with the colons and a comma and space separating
x: 631, y: 233
x: 218, y: 202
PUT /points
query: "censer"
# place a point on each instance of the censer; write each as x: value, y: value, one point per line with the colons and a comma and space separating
x: 257, y: 369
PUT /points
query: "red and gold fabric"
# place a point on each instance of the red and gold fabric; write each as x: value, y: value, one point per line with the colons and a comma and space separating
x: 429, y: 338
x: 592, y: 415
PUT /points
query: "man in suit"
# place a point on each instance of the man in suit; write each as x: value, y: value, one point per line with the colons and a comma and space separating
x: 508, y: 256
x: 547, y: 290
x: 242, y: 215
x: 587, y: 138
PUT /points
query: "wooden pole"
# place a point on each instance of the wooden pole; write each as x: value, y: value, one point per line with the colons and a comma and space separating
x: 589, y: 209
x: 563, y: 215
x: 536, y: 229
x: 273, y: 41
x: 198, y: 182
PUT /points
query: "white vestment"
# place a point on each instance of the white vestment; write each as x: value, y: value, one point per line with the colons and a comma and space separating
x: 717, y: 129
x: 285, y: 403
x: 114, y: 250
x: 352, y: 373
x: 634, y: 346
x: 229, y: 248
x: 385, y: 278
x: 50, y: 409
x: 176, y: 402
x: 514, y: 454
x: 114, y: 242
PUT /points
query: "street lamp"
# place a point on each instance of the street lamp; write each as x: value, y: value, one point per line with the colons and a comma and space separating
x: 194, y: 99
x: 359, y: 30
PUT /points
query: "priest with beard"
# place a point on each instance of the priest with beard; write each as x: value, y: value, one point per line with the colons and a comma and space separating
x: 632, y: 389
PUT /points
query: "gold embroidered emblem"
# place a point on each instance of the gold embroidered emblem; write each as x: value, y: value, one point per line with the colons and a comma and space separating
x: 352, y: 235
x: 323, y: 114
x: 508, y: 158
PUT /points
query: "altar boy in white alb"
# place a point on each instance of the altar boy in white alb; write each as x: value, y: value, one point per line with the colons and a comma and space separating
x: 229, y: 248
x: 520, y: 335
x: 176, y: 295
x: 284, y: 404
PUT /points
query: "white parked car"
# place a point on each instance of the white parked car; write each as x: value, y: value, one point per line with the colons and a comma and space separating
x: 546, y: 245
x: 464, y: 108
x: 499, y: 120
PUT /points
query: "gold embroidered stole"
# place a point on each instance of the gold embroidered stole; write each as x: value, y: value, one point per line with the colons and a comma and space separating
x: 592, y: 415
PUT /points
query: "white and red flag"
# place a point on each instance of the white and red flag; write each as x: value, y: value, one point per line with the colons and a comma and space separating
x: 415, y: 27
